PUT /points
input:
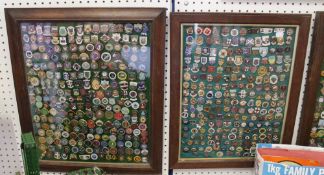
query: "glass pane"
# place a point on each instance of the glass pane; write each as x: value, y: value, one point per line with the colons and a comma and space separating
x: 235, y: 87
x: 88, y: 85
x: 317, y: 131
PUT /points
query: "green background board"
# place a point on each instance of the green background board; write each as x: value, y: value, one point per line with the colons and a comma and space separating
x: 67, y: 117
x: 215, y: 120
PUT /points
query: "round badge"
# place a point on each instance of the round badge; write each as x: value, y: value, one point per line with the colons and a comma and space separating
x: 84, y: 56
x: 128, y: 144
x: 106, y: 56
x: 121, y: 75
x: 104, y: 101
x: 125, y: 110
x: 109, y: 46
x: 116, y: 108
x: 112, y: 75
x: 136, y: 132
x: 189, y: 40
x: 90, y: 47
x: 142, y: 126
x: 109, y: 114
x: 135, y: 105
x: 137, y: 159
x: 219, y: 154
x: 85, y: 65
x: 126, y: 48
x: 118, y: 116
x: 234, y: 32
x: 133, y: 94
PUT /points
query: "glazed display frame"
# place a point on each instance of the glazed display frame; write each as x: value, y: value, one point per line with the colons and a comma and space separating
x: 154, y: 16
x: 312, y: 87
x: 177, y: 19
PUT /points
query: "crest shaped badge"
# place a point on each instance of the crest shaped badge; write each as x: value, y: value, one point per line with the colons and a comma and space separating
x: 143, y: 40
x: 265, y: 40
x: 263, y: 51
x: 138, y: 27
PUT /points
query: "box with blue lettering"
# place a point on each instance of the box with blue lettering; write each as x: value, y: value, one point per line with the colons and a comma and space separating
x: 281, y: 159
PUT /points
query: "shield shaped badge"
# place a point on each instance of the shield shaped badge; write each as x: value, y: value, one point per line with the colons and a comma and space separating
x: 95, y: 28
x: 256, y: 61
x: 125, y: 38
x: 79, y: 29
x: 238, y: 60
x: 86, y: 39
x: 212, y: 60
x: 265, y: 40
x: 235, y: 41
x: 203, y: 60
x: 271, y: 59
x: 143, y: 40
x: 104, y: 28
x: 249, y: 42
x: 47, y: 30
x: 213, y: 52
x: 63, y: 31
x: 263, y: 51
x: 134, y: 39
x: 87, y: 28
x: 187, y: 60
x: 138, y: 27
x: 287, y: 67
x: 279, y: 59
x: 257, y: 41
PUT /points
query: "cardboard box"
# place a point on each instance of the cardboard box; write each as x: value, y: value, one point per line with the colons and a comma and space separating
x: 279, y: 159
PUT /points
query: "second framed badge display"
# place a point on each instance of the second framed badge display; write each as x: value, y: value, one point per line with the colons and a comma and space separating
x: 88, y: 84
x: 235, y: 82
x: 311, y: 129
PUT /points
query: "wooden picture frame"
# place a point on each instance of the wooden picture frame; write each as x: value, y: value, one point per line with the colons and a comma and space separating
x: 154, y: 16
x: 312, y: 89
x: 207, y: 19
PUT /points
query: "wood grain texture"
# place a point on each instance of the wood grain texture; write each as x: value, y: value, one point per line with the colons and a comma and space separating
x: 303, y: 21
x: 312, y: 82
x: 156, y: 16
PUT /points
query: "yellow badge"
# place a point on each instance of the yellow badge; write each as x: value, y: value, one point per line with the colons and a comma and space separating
x: 137, y: 158
x: 322, y: 73
x: 95, y: 84
x: 262, y: 70
x: 186, y: 76
x: 320, y: 133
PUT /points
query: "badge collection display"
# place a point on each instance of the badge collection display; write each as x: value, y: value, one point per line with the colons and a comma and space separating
x: 311, y: 128
x: 92, y: 90
x: 88, y: 87
x: 317, y: 130
x: 235, y: 82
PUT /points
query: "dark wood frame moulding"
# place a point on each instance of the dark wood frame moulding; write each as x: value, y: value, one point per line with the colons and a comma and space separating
x: 156, y: 16
x: 312, y: 82
x: 303, y: 21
